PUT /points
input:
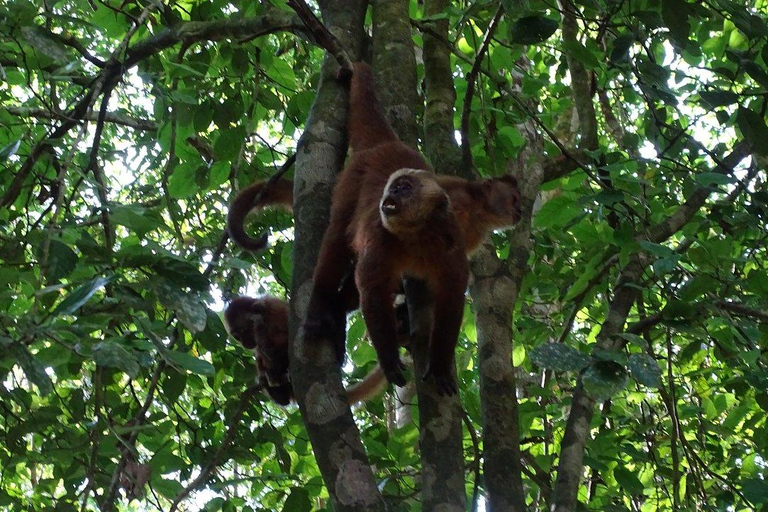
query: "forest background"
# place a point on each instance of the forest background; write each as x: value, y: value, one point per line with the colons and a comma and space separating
x: 614, y: 348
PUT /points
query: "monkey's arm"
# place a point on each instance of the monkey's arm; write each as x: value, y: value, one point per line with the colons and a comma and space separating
x: 377, y: 282
x: 447, y: 287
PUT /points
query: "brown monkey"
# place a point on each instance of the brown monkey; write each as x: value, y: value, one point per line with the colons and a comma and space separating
x: 391, y: 215
x: 396, y: 219
x: 261, y: 325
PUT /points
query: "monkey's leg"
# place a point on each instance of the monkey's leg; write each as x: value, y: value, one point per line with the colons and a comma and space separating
x: 376, y: 294
x: 326, y: 312
x: 448, y: 293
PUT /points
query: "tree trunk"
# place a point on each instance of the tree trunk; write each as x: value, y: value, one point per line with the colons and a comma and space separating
x: 314, y: 370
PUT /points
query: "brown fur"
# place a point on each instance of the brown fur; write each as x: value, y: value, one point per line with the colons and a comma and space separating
x: 391, y: 214
x: 278, y: 193
x: 437, y: 220
x: 261, y: 325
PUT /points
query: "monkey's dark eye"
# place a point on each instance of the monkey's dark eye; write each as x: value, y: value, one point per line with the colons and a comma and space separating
x: 401, y: 186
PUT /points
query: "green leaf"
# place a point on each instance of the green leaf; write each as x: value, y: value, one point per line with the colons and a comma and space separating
x: 628, y: 480
x: 33, y: 369
x: 135, y: 218
x: 756, y: 72
x: 558, y: 357
x: 603, y: 379
x: 227, y: 146
x: 62, y: 260
x: 752, y: 126
x: 755, y: 490
x: 708, y: 179
x: 112, y: 354
x: 580, y: 52
x: 675, y: 14
x: 756, y: 282
x: 10, y: 149
x: 187, y: 306
x: 635, y: 339
x: 183, y: 182
x: 76, y: 299
x: 718, y: 98
x: 557, y: 212
x: 297, y: 501
x: 645, y: 370
x: 184, y: 361
x: 621, y: 47
x: 532, y: 29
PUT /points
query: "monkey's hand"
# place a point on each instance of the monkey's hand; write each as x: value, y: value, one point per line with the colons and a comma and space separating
x: 444, y: 381
x: 393, y: 371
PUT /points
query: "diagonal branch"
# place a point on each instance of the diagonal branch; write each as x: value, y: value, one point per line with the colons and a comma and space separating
x: 680, y: 217
x: 466, y: 150
x: 324, y: 37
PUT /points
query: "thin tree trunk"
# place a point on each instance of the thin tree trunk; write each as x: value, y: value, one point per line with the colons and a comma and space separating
x: 440, y: 435
x: 494, y: 292
x: 314, y: 371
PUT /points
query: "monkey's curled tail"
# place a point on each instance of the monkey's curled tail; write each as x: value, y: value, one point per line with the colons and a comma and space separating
x: 367, y: 127
x: 278, y: 193
x: 371, y: 385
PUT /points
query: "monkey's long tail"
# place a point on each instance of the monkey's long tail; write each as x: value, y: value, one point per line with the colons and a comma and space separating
x: 371, y: 385
x: 278, y: 193
x: 367, y: 127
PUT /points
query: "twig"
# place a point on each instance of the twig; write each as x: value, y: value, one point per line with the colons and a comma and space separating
x: 216, y: 459
x: 323, y: 36
x: 466, y: 151
x: 110, y: 117
x: 478, y: 455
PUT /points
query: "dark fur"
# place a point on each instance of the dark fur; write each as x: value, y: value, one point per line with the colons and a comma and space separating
x: 420, y: 237
x: 436, y: 220
x: 261, y: 325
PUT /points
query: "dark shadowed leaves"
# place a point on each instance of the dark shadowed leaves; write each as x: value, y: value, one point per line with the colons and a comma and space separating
x: 645, y: 370
x: 532, y: 29
x: 33, y: 369
x: 752, y: 125
x: 80, y: 296
x: 112, y: 354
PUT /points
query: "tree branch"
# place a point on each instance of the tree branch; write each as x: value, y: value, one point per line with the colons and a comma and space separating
x: 466, y: 150
x: 216, y: 459
x: 323, y: 36
x: 111, y: 117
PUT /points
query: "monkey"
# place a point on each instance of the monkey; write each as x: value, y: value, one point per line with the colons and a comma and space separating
x: 261, y: 325
x: 392, y: 217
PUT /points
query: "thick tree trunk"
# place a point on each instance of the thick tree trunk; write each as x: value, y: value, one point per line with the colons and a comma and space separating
x: 314, y: 370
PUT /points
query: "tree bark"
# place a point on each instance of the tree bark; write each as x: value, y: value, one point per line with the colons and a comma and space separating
x: 314, y: 371
x: 440, y: 435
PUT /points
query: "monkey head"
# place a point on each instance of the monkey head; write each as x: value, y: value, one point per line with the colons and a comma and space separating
x: 243, y: 318
x: 503, y: 196
x: 409, y: 199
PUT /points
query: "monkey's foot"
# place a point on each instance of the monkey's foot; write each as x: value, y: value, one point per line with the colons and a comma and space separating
x: 393, y: 371
x: 444, y: 381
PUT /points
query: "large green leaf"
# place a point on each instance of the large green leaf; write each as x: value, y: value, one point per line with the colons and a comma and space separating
x: 532, y: 29
x: 558, y: 357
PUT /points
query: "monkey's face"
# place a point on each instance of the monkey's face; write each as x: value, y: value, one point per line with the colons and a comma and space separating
x: 410, y: 197
x: 504, y: 200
